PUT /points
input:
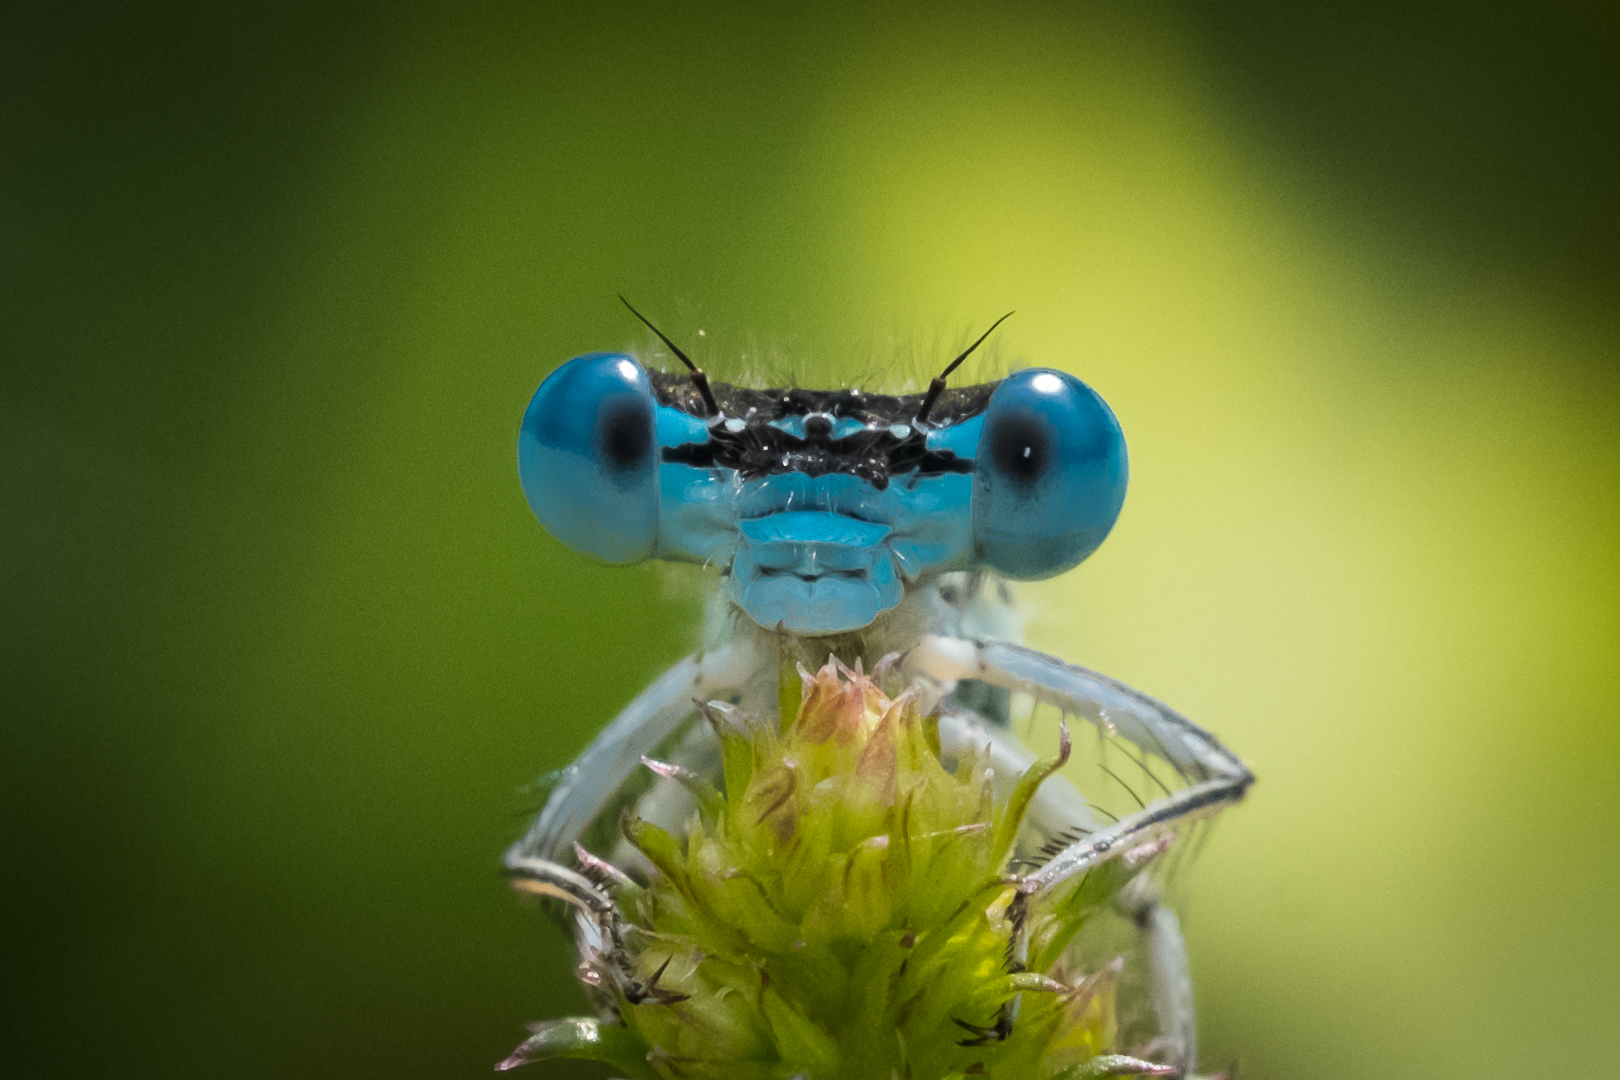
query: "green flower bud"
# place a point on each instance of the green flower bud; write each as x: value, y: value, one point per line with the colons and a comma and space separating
x: 843, y: 908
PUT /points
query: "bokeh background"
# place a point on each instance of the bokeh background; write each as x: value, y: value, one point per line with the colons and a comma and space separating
x: 282, y: 644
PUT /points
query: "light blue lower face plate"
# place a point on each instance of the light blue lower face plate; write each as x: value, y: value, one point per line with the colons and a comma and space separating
x: 825, y: 605
x: 813, y: 572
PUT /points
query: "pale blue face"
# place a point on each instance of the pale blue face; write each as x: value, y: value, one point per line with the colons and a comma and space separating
x: 822, y: 508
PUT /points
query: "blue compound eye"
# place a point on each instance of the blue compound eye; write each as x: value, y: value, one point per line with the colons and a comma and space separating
x: 1049, y: 474
x: 588, y: 457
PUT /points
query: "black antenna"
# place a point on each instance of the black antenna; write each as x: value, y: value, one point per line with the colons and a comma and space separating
x: 937, y: 387
x: 700, y: 380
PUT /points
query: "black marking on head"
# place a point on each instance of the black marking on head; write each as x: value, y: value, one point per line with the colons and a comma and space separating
x: 875, y: 454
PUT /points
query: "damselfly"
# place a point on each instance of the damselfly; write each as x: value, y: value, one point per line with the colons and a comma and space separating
x: 760, y: 905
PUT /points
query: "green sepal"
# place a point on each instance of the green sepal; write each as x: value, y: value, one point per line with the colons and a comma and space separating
x: 1114, y: 1065
x: 804, y: 1046
x: 583, y: 1039
x: 1024, y: 793
x: 710, y: 803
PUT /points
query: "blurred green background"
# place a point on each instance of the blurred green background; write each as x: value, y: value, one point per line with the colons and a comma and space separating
x: 282, y: 643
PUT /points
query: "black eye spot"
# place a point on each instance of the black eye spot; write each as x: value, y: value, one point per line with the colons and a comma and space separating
x: 1021, y: 447
x: 624, y: 436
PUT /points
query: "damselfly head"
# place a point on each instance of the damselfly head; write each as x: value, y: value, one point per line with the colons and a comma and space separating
x: 822, y: 507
